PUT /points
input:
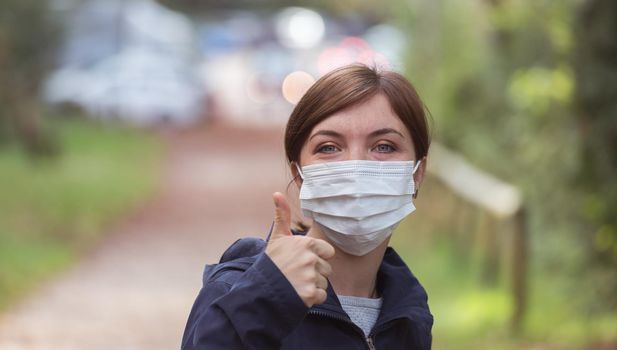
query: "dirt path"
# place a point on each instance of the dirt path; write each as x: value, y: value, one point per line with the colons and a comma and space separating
x: 135, y: 291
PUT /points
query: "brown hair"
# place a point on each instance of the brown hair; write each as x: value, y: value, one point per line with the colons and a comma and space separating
x: 351, y: 85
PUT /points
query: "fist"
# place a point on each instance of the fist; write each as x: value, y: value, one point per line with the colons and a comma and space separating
x: 303, y: 260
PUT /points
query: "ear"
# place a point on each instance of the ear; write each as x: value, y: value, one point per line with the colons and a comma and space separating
x: 295, y: 174
x: 419, y: 175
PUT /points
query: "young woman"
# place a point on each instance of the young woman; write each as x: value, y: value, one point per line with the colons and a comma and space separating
x: 356, y: 144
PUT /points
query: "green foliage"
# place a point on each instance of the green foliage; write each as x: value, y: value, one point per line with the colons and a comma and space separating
x: 51, y: 210
x: 533, y: 90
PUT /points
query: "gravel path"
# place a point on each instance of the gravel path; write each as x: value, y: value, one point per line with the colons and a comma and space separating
x: 136, y: 289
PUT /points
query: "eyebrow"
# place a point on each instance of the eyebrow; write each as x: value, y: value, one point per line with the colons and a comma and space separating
x: 385, y: 131
x: 326, y: 133
x: 378, y: 132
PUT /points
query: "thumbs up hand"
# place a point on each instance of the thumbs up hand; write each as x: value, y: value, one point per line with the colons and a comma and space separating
x: 303, y: 260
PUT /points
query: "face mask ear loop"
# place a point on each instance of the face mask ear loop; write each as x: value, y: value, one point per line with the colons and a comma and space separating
x: 299, y: 170
x: 415, y: 193
x: 416, y: 167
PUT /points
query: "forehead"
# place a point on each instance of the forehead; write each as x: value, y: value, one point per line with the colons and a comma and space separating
x: 375, y: 113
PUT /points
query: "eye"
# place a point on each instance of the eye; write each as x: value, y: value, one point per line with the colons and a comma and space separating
x: 384, y: 148
x: 327, y: 149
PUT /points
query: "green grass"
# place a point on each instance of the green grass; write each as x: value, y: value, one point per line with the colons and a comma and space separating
x: 440, y: 244
x: 52, y: 209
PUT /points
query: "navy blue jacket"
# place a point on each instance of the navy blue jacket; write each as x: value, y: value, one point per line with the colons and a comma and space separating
x: 247, y: 303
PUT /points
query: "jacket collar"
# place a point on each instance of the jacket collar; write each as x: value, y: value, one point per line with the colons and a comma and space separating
x: 403, y: 296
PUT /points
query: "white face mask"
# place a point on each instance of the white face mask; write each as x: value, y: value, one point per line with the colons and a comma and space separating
x: 358, y: 203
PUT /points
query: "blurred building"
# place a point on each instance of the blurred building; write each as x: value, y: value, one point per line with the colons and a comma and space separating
x: 129, y: 59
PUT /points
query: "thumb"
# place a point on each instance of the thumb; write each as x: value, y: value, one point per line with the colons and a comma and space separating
x: 282, y: 217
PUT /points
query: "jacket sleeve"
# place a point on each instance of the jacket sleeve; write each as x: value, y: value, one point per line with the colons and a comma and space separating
x: 256, y: 311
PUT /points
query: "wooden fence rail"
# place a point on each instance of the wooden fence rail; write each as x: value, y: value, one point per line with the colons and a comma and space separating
x: 501, y: 200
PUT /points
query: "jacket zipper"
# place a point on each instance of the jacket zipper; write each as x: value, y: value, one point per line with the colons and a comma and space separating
x: 368, y: 340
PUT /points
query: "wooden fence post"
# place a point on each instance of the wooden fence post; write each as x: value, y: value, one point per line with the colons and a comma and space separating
x: 519, y: 268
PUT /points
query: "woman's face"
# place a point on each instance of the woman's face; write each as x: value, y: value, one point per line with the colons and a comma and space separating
x: 368, y: 131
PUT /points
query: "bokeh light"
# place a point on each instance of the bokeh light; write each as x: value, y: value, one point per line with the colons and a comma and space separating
x: 300, y: 28
x: 295, y: 85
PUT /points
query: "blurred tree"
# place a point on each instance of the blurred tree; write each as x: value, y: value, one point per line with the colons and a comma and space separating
x: 596, y: 99
x: 27, y: 37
